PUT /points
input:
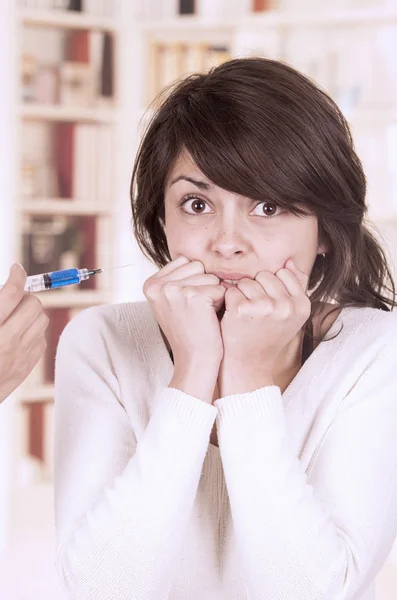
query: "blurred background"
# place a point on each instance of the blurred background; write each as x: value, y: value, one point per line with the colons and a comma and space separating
x: 79, y: 76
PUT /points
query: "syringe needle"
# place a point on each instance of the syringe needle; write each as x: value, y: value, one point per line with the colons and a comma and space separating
x: 120, y: 267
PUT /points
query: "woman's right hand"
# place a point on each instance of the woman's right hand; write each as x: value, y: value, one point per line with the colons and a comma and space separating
x: 22, y: 327
x: 185, y: 301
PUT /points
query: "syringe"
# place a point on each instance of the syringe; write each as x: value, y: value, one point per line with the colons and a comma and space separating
x: 57, y: 279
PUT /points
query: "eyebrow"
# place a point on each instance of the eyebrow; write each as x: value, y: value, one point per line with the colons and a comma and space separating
x: 202, y: 185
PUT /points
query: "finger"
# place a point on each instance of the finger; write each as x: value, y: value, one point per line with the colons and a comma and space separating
x: 290, y: 282
x: 302, y: 277
x: 23, y: 316
x: 251, y: 289
x: 35, y: 331
x: 233, y: 298
x: 12, y: 291
x: 194, y: 267
x: 172, y: 266
x: 202, y: 279
x: 272, y: 286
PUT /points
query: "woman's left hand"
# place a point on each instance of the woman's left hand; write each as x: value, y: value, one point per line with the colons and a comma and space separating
x: 262, y: 316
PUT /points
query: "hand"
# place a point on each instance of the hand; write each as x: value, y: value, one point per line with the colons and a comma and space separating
x: 22, y: 327
x: 262, y: 316
x: 185, y: 301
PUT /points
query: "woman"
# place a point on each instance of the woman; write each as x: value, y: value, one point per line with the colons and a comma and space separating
x: 243, y: 456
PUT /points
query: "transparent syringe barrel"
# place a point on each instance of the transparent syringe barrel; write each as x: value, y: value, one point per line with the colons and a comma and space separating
x: 55, y: 279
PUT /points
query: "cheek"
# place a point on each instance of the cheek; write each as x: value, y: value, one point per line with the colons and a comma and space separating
x: 184, y: 240
x: 298, y: 241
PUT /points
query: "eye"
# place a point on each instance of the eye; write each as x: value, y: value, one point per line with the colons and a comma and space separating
x: 269, y: 209
x: 194, y: 201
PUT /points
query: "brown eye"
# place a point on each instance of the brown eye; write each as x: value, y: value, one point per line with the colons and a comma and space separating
x: 198, y: 205
x: 269, y: 208
x: 193, y: 203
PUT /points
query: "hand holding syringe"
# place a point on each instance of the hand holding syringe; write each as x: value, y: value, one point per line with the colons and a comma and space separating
x: 57, y: 279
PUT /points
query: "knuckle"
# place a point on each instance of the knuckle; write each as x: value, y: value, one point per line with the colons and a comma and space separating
x: 151, y: 288
x: 286, y: 309
x: 170, y: 288
x: 190, y: 293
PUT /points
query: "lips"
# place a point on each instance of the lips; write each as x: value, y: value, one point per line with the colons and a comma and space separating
x: 230, y: 276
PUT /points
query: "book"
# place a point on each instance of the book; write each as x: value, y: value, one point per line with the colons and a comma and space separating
x: 64, y: 148
x: 187, y: 7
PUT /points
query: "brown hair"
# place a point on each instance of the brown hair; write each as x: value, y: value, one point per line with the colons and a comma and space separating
x: 259, y: 128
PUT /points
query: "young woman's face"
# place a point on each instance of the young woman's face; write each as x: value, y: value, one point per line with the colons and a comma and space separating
x: 232, y: 233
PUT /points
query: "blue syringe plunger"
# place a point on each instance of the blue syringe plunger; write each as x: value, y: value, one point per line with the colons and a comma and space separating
x: 56, y: 279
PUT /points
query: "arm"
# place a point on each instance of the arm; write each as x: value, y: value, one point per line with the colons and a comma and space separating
x: 121, y: 507
x: 324, y: 534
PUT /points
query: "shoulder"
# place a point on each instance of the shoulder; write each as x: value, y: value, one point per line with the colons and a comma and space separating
x: 109, y: 323
x: 371, y: 325
x: 365, y: 341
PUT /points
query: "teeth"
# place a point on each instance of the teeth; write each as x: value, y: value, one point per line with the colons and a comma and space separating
x: 231, y: 280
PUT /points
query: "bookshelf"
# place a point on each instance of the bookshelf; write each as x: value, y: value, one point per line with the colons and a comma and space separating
x: 67, y: 115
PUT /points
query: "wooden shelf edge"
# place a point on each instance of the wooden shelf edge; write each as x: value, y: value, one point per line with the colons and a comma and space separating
x: 67, y: 19
x: 66, y: 113
x: 58, y: 206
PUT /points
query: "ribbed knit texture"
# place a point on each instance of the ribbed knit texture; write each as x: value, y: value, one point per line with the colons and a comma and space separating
x: 299, y: 502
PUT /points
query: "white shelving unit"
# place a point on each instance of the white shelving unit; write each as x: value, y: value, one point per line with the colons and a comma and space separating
x: 26, y: 507
x: 104, y: 210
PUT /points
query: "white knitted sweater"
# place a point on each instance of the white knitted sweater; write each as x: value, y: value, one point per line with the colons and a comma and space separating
x: 299, y: 502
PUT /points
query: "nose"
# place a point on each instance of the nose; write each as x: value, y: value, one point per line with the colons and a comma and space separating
x: 230, y: 240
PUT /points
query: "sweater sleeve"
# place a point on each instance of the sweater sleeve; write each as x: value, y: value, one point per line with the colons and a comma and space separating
x: 324, y: 533
x: 121, y: 507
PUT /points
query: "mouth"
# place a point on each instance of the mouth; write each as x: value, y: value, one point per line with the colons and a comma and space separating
x: 228, y: 284
x: 230, y: 281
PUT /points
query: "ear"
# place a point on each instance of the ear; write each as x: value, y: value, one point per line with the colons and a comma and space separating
x: 323, y: 248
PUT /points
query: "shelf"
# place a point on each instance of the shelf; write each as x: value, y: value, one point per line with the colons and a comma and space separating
x: 333, y: 17
x: 37, y: 393
x: 274, y: 18
x: 188, y: 23
x: 61, y: 206
x: 48, y: 112
x: 67, y: 19
x: 62, y: 298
